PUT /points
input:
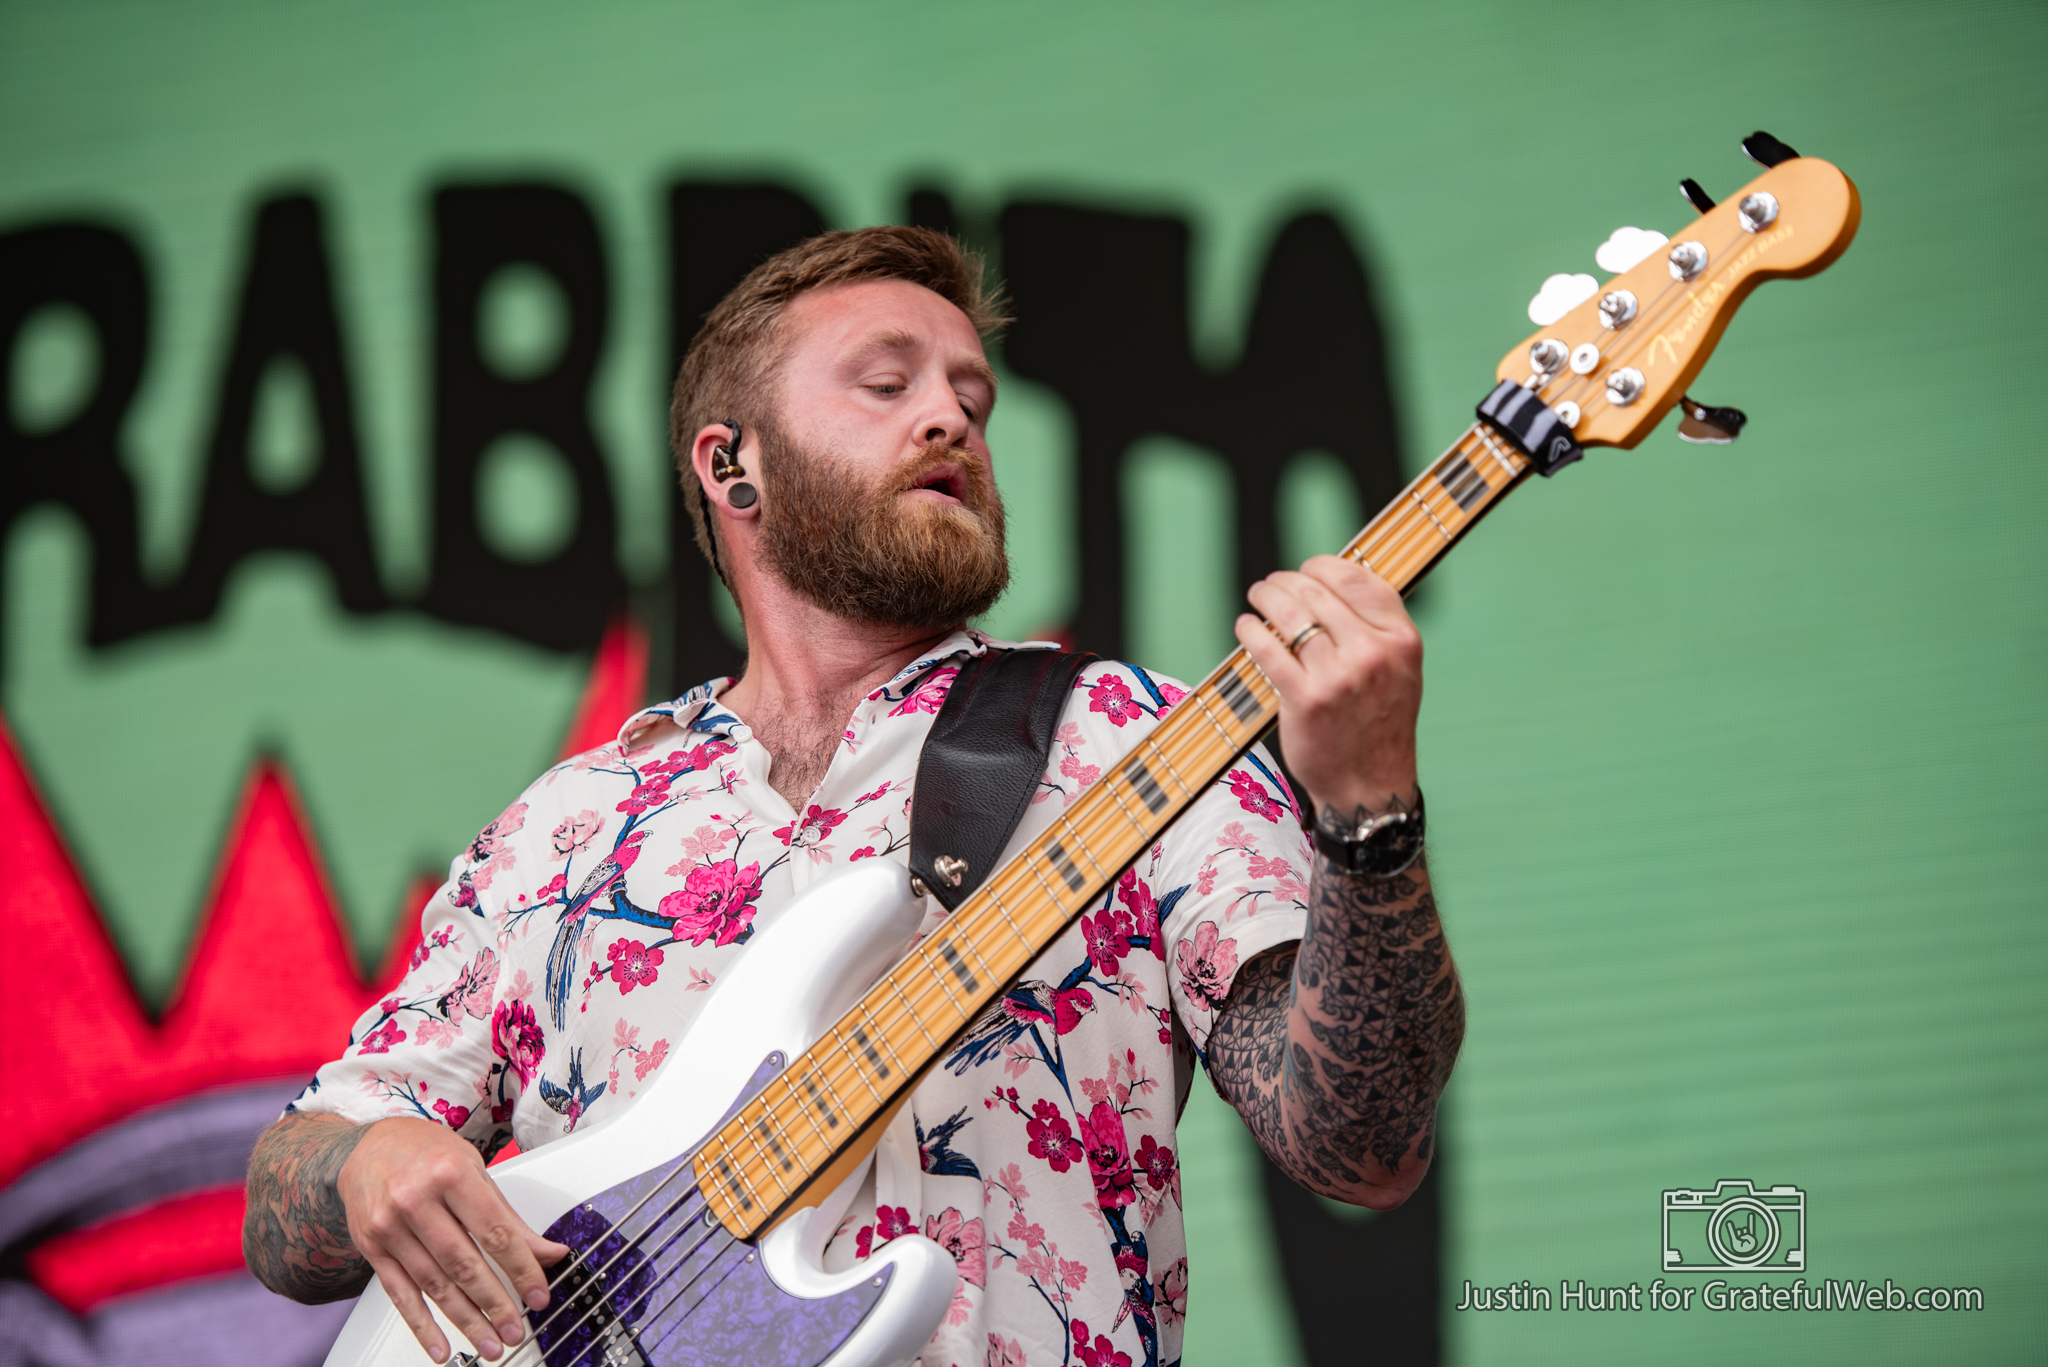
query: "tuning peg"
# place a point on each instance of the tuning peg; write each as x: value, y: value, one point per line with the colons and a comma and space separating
x: 1765, y: 150
x: 1694, y: 195
x: 1704, y: 426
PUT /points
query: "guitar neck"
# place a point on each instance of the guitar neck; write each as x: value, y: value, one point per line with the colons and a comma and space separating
x: 847, y: 1085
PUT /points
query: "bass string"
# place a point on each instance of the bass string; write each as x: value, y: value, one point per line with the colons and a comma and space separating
x: 583, y: 1257
x: 913, y: 1005
x: 716, y: 1231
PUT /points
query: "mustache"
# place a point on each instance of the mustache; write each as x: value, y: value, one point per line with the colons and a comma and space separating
x: 936, y: 454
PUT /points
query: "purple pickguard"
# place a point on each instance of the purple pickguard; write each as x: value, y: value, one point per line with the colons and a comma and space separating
x: 689, y: 1294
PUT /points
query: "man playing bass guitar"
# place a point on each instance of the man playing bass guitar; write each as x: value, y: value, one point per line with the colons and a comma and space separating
x: 830, y: 429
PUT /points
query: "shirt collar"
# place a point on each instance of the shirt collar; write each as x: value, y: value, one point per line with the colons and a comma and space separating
x: 699, y: 710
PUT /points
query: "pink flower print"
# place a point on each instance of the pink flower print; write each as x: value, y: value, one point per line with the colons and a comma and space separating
x: 1169, y: 695
x: 1003, y: 1352
x: 1155, y: 1160
x: 472, y: 991
x: 963, y: 1239
x: 1172, y: 1299
x: 870, y: 797
x: 650, y: 1060
x: 1102, y: 1354
x: 516, y: 1037
x: 633, y: 964
x: 679, y: 762
x: 651, y: 793
x: 1112, y: 698
x: 1138, y: 900
x: 489, y: 853
x: 380, y: 1040
x: 576, y: 832
x: 455, y: 1117
x: 890, y: 1221
x: 1109, y: 1160
x: 931, y: 695
x: 1252, y: 795
x: 1050, y: 1137
x: 812, y: 828
x: 715, y: 903
x: 1109, y: 939
x: 864, y: 852
x: 491, y: 839
x: 547, y: 890
x: 1206, y: 966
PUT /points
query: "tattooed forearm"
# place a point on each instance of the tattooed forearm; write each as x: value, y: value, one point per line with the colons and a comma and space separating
x: 295, y: 1237
x: 1336, y: 1050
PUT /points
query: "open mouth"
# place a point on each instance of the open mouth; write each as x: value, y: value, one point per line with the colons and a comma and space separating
x: 948, y: 481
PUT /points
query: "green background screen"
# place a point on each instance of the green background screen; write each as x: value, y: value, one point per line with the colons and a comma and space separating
x: 1727, y: 748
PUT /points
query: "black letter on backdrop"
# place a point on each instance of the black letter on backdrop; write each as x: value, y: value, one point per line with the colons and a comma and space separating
x: 717, y: 232
x: 1366, y: 1286
x: 78, y: 463
x: 287, y: 310
x: 1101, y: 301
x: 563, y: 602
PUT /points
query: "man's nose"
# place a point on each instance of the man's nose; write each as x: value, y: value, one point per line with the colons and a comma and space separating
x: 943, y: 422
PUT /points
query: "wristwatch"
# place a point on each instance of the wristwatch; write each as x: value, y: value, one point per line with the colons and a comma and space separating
x: 1378, y: 847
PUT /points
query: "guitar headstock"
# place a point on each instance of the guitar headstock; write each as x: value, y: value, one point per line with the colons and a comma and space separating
x: 1625, y: 356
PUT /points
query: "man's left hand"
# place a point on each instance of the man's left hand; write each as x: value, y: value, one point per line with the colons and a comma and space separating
x: 1349, y: 696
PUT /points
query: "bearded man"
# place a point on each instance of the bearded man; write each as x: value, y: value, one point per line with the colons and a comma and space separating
x: 830, y: 429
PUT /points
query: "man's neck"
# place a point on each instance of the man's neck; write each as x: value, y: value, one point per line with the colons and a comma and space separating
x: 806, y: 671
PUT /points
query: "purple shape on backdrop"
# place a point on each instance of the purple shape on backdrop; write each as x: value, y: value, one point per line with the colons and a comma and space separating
x: 201, y: 1141
x: 210, y: 1322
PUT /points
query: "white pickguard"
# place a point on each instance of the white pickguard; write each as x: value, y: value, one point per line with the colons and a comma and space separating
x: 807, y: 964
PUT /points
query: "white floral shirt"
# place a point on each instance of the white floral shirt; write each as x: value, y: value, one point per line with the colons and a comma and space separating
x: 576, y: 938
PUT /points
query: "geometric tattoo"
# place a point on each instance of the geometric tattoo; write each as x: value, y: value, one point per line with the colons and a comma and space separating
x: 295, y: 1238
x: 1335, y: 1050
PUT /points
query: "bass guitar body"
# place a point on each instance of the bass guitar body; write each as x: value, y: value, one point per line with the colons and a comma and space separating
x: 653, y: 1278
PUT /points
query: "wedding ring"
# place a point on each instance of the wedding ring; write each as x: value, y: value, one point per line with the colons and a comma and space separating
x: 1303, y: 636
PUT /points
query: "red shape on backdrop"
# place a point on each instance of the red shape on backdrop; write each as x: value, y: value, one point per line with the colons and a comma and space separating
x: 92, y: 1056
x: 618, y: 681
x: 195, y: 1235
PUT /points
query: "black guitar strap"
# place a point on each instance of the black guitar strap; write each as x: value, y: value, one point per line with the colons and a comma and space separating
x: 982, y: 763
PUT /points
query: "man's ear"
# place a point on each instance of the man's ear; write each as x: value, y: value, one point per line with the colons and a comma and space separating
x: 736, y: 495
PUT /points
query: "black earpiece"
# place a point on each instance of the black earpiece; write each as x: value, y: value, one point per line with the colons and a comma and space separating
x: 725, y: 460
x: 741, y: 495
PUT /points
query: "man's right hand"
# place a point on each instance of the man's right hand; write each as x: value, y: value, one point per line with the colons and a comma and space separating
x: 420, y: 1204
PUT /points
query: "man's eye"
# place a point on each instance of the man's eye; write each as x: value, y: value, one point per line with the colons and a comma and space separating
x: 886, y: 387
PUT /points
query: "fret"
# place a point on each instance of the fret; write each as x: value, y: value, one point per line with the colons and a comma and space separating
x: 1417, y: 496
x: 968, y: 982
x: 1467, y: 488
x: 1116, y: 792
x: 774, y: 1143
x: 1143, y: 784
x: 916, y: 1017
x: 1237, y: 694
x: 823, y: 1107
x: 852, y: 1066
x: 735, y: 1185
x: 1003, y: 911
x: 1203, y: 704
x: 1492, y: 444
x: 867, y: 1046
x: 1063, y: 864
x: 1166, y: 760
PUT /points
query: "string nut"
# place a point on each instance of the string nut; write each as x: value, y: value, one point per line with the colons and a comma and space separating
x: 1584, y: 358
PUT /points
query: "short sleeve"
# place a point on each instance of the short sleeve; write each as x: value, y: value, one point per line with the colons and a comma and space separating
x: 1235, y: 871
x: 435, y: 1046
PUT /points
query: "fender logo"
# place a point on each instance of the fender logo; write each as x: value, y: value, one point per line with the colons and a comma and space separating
x: 1706, y: 302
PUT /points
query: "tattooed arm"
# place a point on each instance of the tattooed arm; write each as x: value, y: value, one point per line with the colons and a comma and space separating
x: 331, y: 1202
x: 1335, y: 1050
x: 295, y: 1236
